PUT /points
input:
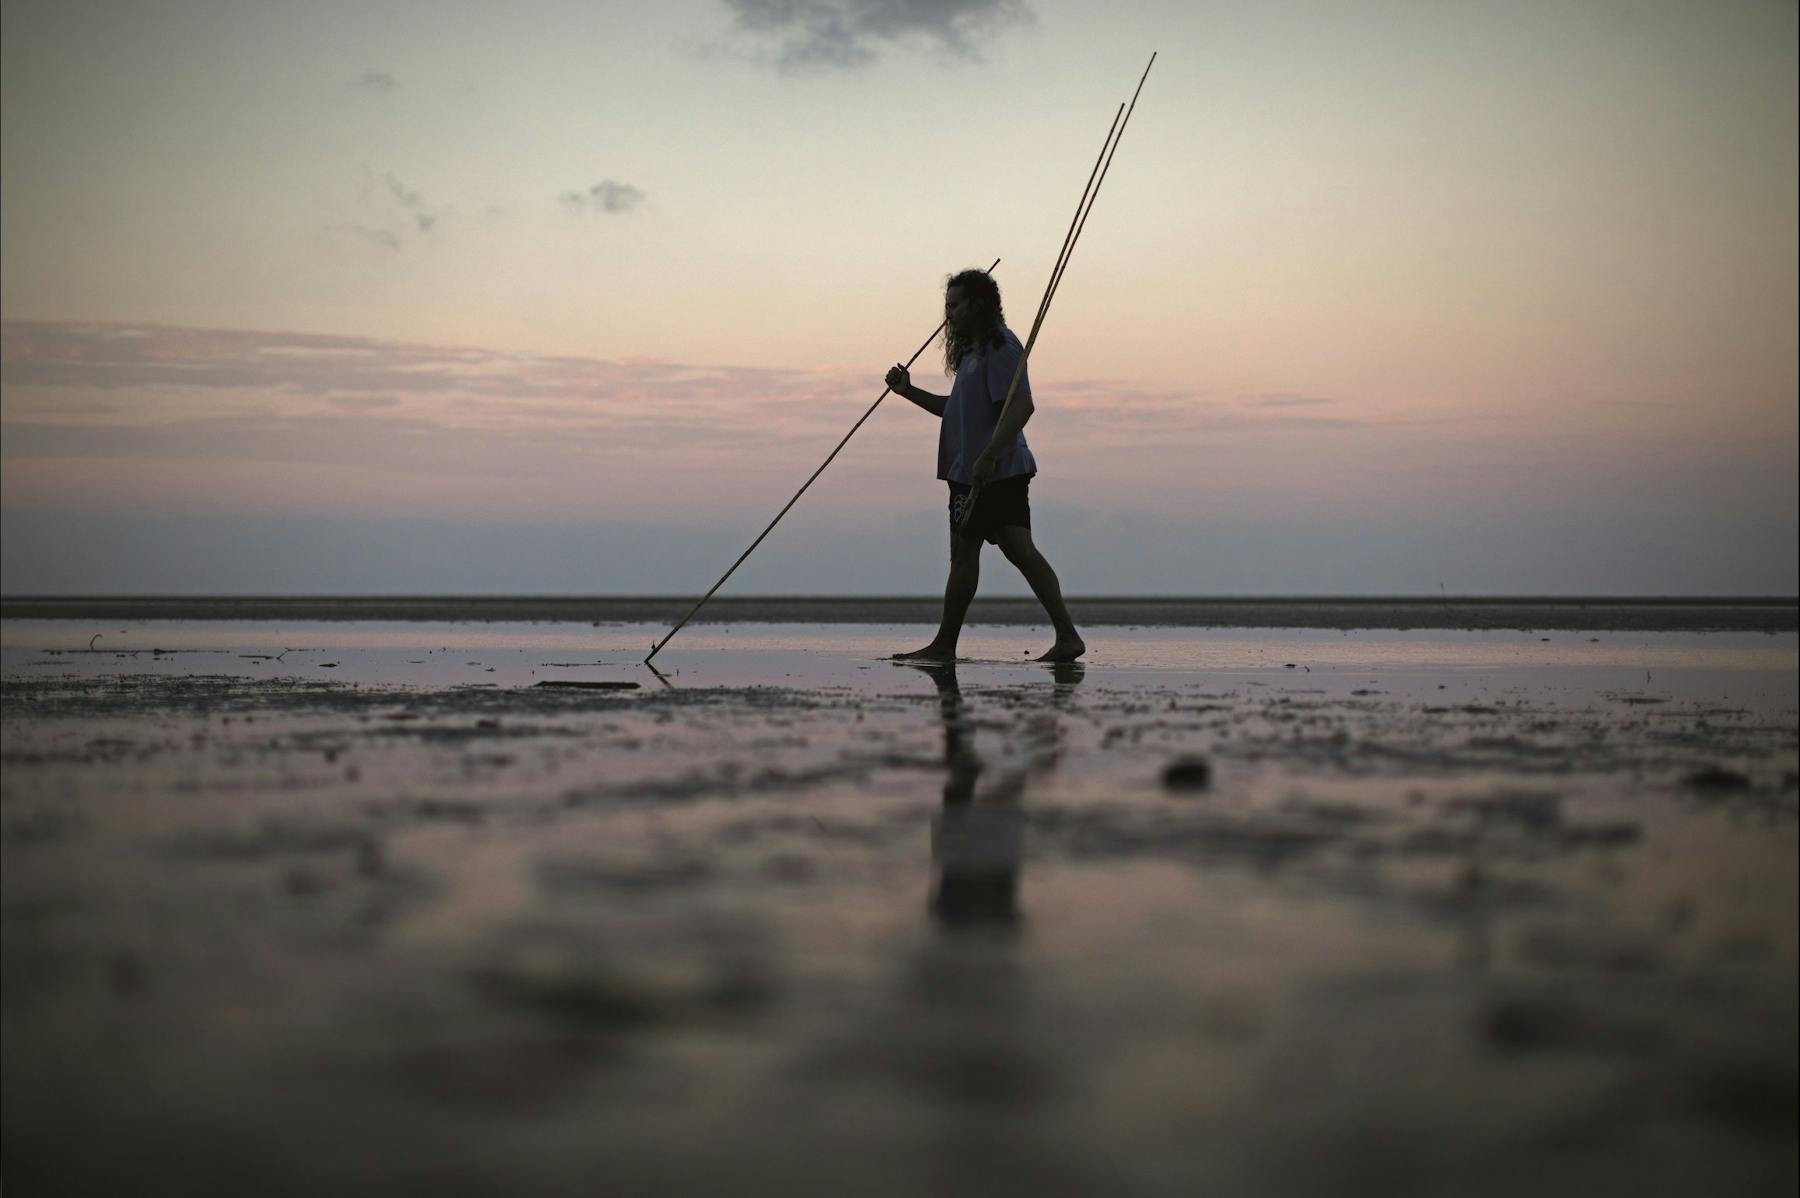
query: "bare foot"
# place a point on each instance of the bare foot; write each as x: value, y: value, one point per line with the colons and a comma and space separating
x: 1065, y: 649
x: 933, y: 652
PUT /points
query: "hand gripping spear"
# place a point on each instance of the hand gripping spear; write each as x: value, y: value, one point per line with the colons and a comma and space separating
x: 1102, y: 164
x: 885, y: 391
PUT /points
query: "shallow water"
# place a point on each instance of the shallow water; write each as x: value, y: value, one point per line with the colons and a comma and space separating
x: 1757, y: 668
x: 1449, y: 913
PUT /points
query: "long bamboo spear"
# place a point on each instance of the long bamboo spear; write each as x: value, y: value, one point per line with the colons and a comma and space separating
x: 1076, y: 224
x: 657, y: 648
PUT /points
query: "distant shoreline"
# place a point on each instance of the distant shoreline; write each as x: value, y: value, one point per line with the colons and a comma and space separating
x: 1565, y: 613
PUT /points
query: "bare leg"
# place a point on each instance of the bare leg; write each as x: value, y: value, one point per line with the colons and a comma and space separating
x: 1017, y: 544
x: 965, y: 573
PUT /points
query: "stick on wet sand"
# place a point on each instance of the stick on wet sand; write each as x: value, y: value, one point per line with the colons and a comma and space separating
x: 657, y: 648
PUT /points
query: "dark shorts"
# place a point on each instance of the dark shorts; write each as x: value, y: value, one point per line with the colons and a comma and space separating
x: 1002, y: 503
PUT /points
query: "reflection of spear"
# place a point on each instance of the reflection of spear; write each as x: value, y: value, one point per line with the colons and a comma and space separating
x: 657, y: 648
x: 1076, y: 224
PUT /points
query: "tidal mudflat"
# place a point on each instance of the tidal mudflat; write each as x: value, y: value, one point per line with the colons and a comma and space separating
x: 361, y: 908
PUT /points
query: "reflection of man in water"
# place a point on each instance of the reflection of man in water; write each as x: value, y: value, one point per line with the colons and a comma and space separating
x: 960, y: 1041
x: 978, y: 844
x: 976, y: 446
x: 977, y: 847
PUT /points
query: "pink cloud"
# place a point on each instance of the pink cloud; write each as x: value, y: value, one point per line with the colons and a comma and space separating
x: 222, y: 419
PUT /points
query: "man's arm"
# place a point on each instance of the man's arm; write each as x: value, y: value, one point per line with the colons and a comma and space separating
x: 1009, y: 386
x: 1012, y: 422
x: 900, y: 383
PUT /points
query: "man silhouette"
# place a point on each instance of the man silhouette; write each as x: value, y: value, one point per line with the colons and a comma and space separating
x: 976, y: 446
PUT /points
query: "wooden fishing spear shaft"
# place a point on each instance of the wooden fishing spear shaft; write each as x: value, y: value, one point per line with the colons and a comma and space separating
x: 885, y: 392
x: 1077, y: 223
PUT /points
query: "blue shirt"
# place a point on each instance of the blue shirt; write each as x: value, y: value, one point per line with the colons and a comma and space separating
x: 982, y: 378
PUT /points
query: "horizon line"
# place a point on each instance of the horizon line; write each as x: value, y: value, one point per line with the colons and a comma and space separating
x: 891, y: 597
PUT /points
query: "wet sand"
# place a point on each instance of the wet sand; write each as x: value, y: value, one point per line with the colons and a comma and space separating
x: 304, y: 908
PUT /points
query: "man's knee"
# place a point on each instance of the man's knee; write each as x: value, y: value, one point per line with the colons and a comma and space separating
x: 965, y: 552
x: 1015, y: 543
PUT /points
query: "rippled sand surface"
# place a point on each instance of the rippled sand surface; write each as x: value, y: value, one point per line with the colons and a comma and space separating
x: 362, y: 908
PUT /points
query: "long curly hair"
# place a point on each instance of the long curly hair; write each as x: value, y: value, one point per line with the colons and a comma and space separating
x: 987, y: 317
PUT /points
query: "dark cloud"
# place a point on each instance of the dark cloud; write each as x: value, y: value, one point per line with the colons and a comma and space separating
x: 605, y: 196
x: 1282, y: 399
x: 423, y: 214
x: 238, y: 395
x: 384, y: 379
x: 800, y: 35
x: 128, y: 358
x: 1124, y: 413
x: 364, y: 375
x: 414, y: 210
x: 387, y: 239
x: 376, y: 81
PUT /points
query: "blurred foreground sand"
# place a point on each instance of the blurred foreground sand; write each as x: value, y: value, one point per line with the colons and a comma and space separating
x: 952, y: 932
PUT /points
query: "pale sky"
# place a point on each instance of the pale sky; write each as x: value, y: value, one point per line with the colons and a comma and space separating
x: 1379, y: 298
